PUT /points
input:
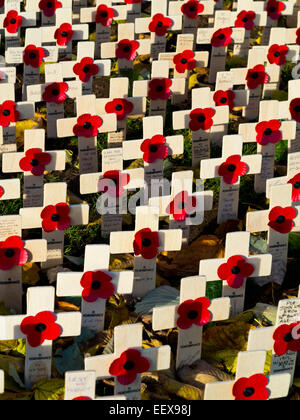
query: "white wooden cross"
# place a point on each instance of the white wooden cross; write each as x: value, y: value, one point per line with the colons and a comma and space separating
x: 35, y: 161
x: 146, y: 241
x: 126, y: 338
x: 96, y: 285
x: 190, y: 316
x: 54, y: 217
x: 230, y: 167
x: 212, y: 115
x: 48, y: 14
x: 134, y: 9
x: 291, y: 111
x: 39, y: 331
x: 236, y: 266
x: 275, y: 222
x: 7, y: 74
x: 10, y: 189
x: 247, y: 385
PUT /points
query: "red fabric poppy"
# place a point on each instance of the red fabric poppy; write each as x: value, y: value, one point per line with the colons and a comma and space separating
x: 127, y: 49
x: 96, y: 285
x: 33, y: 56
x: 274, y: 9
x: 201, y: 119
x: 159, y: 88
x: 160, y: 24
x: 281, y: 219
x: 192, y: 9
x: 119, y: 106
x: 12, y: 22
x: 235, y: 271
x: 224, y: 97
x: 119, y: 181
x: 2, y: 3
x: 130, y: 364
x: 86, y: 69
x: 12, y: 253
x: 49, y: 7
x: 154, y: 149
x: 1, y: 191
x: 298, y: 36
x: 104, y: 15
x: 146, y: 244
x: 284, y: 341
x: 222, y: 37
x: 81, y: 399
x: 87, y: 125
x: 295, y: 109
x: 193, y: 312
x: 232, y: 169
x: 245, y: 19
x: 268, y: 132
x: 277, y: 54
x: 256, y: 76
x: 55, y: 93
x: 35, y: 161
x: 182, y: 206
x: 251, y: 389
x: 295, y: 181
x: 56, y: 217
x: 184, y: 61
x: 63, y: 34
x: 132, y: 1
x: 40, y: 327
x: 8, y: 113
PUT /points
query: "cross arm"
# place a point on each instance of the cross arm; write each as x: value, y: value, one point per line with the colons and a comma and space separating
x: 11, y: 189
x: 139, y: 105
x: 65, y: 126
x: 256, y: 221
x: 10, y: 327
x: 37, y: 249
x: 288, y: 129
x: 261, y: 339
x: 100, y: 364
x: 70, y: 323
x: 15, y: 55
x: 201, y: 58
x: 158, y: 357
x: 35, y: 92
x: 11, y: 161
x: 178, y: 86
x: 142, y: 24
x: 175, y: 7
x: 80, y: 32
x: 164, y: 318
x: 104, y: 67
x: 88, y: 14
x: 108, y: 49
x: 181, y: 119
x: 26, y: 110
x: 132, y: 148
x: 8, y: 75
x: 204, y: 35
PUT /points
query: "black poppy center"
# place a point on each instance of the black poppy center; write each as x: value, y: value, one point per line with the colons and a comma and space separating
x: 255, y: 75
x: 297, y: 108
x: 288, y: 338
x: 104, y: 14
x: 272, y: 9
x: 126, y: 49
x: 297, y: 185
x: 49, y: 5
x: 192, y: 314
x: 118, y: 107
x: 159, y: 88
x: 192, y: 8
x: 55, y: 92
x: 159, y: 24
x: 32, y: 55
x: 245, y: 20
x: 153, y: 148
x: 87, y: 125
x: 55, y: 217
x: 6, y: 113
x: 231, y: 168
x: 86, y: 69
x: 223, y: 100
x: 249, y: 392
x: 13, y: 21
x: 221, y: 36
x: 146, y: 242
x: 34, y: 162
x: 64, y: 34
x: 276, y: 54
x: 40, y: 327
x: 201, y: 118
x: 183, y: 61
x: 236, y: 269
x: 129, y: 365
x: 9, y: 253
x: 280, y: 219
x: 96, y: 285
x: 268, y: 132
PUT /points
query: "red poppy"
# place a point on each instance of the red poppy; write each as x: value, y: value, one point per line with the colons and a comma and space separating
x: 251, y: 389
x: 193, y: 312
x: 127, y: 49
x: 119, y: 181
x: 96, y: 285
x: 192, y: 9
x: 268, y: 132
x: 274, y: 9
x: 182, y: 206
x: 56, y: 217
x: 222, y: 37
x: 132, y: 1
x: 104, y: 15
x: 119, y: 106
x: 160, y: 24
x: 130, y: 364
x: 55, y: 92
x: 1, y: 191
x: 201, y: 119
x: 295, y: 109
x: 35, y: 161
x: 86, y: 69
x: 281, y: 219
x: 277, y: 54
x: 159, y: 88
x: 256, y: 76
x: 154, y: 149
x: 8, y: 113
x: 64, y: 34
x: 245, y: 19
x: 12, y: 253
x: 146, y: 244
x: 49, y: 7
x: 184, y: 61
x: 33, y: 56
x: 40, y: 327
x: 232, y: 169
x: 224, y: 97
x: 82, y: 399
x: 298, y: 36
x: 2, y: 3
x: 12, y: 22
x: 284, y: 340
x: 295, y: 181
x: 87, y: 125
x: 235, y: 271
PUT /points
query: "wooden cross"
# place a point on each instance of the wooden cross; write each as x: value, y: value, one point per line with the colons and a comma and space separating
x: 230, y: 167
x: 10, y: 189
x: 48, y: 14
x: 193, y: 312
x: 246, y: 384
x: 8, y: 75
x: 128, y: 342
x: 96, y: 284
x: 234, y: 269
x: 290, y: 108
x: 40, y: 326
x: 54, y: 217
x: 146, y: 242
x: 33, y: 162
